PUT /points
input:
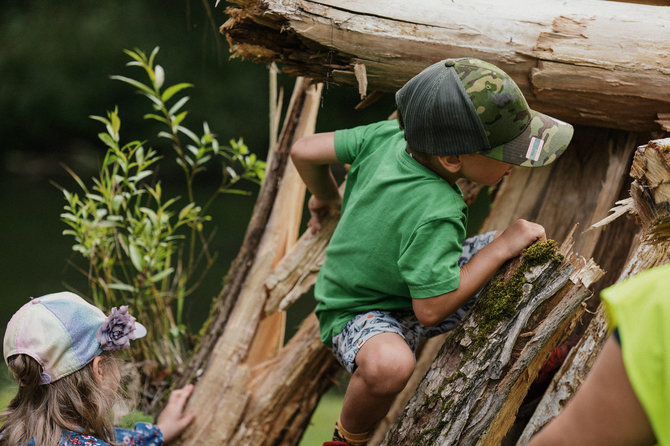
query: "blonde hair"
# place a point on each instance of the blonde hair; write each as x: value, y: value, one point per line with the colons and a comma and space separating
x: 75, y: 402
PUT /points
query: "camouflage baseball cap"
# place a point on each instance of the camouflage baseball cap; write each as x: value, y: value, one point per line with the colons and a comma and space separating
x: 460, y: 106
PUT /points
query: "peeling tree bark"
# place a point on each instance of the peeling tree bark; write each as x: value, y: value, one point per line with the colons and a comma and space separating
x: 473, y: 389
x: 584, y: 61
x: 650, y: 202
x: 231, y: 392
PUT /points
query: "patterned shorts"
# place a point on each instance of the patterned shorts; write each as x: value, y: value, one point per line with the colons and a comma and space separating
x: 362, y: 327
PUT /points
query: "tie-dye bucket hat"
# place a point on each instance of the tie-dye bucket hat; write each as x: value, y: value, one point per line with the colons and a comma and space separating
x: 461, y: 106
x: 63, y: 333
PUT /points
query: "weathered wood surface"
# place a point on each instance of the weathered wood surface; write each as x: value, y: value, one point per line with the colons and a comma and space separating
x: 650, y: 202
x: 473, y: 389
x: 569, y: 377
x: 584, y: 61
x: 286, y: 394
x: 228, y: 360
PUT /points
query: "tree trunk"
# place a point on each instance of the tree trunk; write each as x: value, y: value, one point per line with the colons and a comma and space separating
x: 472, y: 391
x: 650, y: 201
x: 231, y: 364
x: 587, y: 62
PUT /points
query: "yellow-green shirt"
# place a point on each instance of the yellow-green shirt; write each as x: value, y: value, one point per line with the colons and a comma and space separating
x: 640, y: 308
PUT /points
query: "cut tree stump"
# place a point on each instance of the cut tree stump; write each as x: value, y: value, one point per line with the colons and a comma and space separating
x: 587, y: 62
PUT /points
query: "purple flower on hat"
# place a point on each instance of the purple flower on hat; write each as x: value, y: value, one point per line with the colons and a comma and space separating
x: 117, y: 331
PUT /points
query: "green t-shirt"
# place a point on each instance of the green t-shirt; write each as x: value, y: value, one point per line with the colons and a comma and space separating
x: 400, y: 234
x: 640, y: 308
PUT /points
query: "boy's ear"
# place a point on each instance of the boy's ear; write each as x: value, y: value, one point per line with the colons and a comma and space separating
x: 451, y: 163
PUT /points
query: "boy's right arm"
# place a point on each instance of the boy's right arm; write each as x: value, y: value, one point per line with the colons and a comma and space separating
x: 312, y: 157
x: 478, y: 271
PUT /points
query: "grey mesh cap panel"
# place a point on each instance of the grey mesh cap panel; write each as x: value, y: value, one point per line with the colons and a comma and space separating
x: 438, y: 116
x: 460, y: 106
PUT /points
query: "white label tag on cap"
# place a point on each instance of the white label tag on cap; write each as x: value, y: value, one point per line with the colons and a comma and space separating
x: 534, y: 148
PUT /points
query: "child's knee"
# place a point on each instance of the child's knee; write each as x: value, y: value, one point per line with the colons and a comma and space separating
x: 388, y: 371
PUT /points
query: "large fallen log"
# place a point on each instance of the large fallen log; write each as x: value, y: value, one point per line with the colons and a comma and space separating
x: 650, y: 201
x: 473, y: 389
x: 584, y: 61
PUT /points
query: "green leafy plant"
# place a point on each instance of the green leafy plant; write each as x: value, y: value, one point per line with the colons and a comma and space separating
x: 143, y: 248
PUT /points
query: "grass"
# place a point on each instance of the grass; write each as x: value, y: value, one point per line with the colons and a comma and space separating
x: 321, y: 425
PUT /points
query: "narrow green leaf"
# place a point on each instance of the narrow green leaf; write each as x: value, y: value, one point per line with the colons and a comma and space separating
x: 171, y: 91
x: 135, y: 257
x: 179, y: 118
x: 137, y: 55
x: 162, y: 275
x: 141, y: 175
x: 151, y: 214
x: 106, y: 139
x: 193, y: 149
x: 152, y: 57
x: 186, y: 210
x: 134, y: 83
x: 69, y: 217
x: 189, y: 133
x: 122, y: 287
x: 179, y: 104
x: 236, y: 192
x: 100, y: 118
x: 158, y: 105
x: 156, y: 117
x: 115, y: 121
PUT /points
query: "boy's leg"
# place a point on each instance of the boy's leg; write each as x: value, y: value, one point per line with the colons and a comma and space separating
x: 385, y: 363
x: 377, y: 348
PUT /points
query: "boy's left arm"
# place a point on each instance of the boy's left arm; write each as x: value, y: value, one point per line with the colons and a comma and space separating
x: 478, y: 271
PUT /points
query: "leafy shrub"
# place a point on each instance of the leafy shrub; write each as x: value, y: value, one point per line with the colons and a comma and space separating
x: 143, y: 248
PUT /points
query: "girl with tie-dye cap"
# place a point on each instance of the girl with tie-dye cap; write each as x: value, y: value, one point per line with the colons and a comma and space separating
x: 59, y: 348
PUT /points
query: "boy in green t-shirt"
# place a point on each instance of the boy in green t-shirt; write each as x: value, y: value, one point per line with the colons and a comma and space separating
x: 398, y: 268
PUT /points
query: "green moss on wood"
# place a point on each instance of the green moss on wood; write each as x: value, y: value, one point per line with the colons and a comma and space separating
x: 499, y: 301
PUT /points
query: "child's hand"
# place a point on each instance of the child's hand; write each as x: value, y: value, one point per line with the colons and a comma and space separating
x: 173, y: 420
x: 519, y: 235
x: 319, y: 209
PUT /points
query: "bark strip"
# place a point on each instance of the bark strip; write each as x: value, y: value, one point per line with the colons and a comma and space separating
x: 587, y: 62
